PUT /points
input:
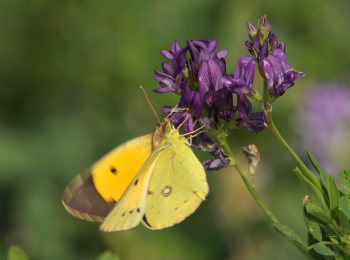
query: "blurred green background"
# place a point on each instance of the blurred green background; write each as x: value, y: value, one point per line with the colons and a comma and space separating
x: 69, y: 77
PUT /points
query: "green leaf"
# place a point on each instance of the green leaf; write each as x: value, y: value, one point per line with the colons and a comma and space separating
x: 319, y: 168
x: 334, y: 240
x: 318, y: 212
x: 344, y: 223
x: 16, y: 253
x: 322, y: 249
x: 344, y: 206
x: 333, y: 194
x: 314, y: 229
x: 290, y: 234
x: 108, y: 256
x: 344, y: 179
x: 314, y: 193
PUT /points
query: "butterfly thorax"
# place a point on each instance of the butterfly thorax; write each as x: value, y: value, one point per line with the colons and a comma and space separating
x: 166, y: 134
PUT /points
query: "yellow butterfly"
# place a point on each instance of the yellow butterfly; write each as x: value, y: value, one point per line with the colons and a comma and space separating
x: 155, y: 179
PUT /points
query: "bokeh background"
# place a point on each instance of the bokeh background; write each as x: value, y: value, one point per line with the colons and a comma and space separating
x: 69, y: 77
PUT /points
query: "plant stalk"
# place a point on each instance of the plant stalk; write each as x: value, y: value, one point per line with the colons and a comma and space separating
x: 308, y: 173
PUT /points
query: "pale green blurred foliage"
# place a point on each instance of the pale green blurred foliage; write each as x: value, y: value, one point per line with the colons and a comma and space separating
x: 69, y: 76
x: 16, y: 253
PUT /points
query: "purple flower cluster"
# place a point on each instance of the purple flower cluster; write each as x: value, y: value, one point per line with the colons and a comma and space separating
x: 272, y: 59
x: 197, y: 72
x: 209, y: 96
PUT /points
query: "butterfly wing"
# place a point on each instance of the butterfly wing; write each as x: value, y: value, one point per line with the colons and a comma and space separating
x: 177, y: 188
x: 82, y: 200
x: 129, y: 211
x: 92, y: 196
x: 114, y: 172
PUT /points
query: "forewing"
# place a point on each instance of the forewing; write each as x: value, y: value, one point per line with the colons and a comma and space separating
x: 93, y: 195
x: 114, y: 172
x: 178, y: 186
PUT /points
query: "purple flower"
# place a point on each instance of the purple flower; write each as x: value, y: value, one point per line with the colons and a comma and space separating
x: 210, y: 81
x: 220, y: 162
x: 208, y: 68
x: 254, y: 122
x: 325, y: 119
x: 225, y: 108
x: 175, y: 47
x: 205, y: 50
x: 271, y: 59
x: 262, y: 41
x: 189, y: 109
x: 205, y: 143
x: 242, y: 81
x: 197, y: 73
x: 172, y: 78
x: 278, y: 73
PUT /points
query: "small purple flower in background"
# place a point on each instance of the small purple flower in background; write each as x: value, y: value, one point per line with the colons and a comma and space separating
x: 325, y: 117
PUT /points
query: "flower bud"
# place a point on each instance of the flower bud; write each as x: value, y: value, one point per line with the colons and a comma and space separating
x: 264, y: 27
x: 186, y: 72
x: 252, y: 31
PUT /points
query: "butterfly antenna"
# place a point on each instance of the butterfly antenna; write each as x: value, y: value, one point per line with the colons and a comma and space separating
x: 172, y: 111
x: 150, y: 103
x: 196, y: 132
x: 188, y: 116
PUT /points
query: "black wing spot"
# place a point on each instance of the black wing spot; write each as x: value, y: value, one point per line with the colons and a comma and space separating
x: 131, y: 211
x: 136, y: 182
x: 123, y: 214
x: 113, y: 170
x: 138, y: 210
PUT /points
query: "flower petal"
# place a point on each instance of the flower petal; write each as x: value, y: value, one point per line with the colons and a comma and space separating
x: 210, y: 80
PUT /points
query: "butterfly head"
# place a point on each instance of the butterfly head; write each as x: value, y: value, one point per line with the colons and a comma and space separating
x: 164, y: 131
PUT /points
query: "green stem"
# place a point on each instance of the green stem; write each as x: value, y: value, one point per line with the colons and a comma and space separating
x: 229, y: 152
x: 256, y: 197
x: 308, y: 174
x: 247, y: 183
x: 223, y: 141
